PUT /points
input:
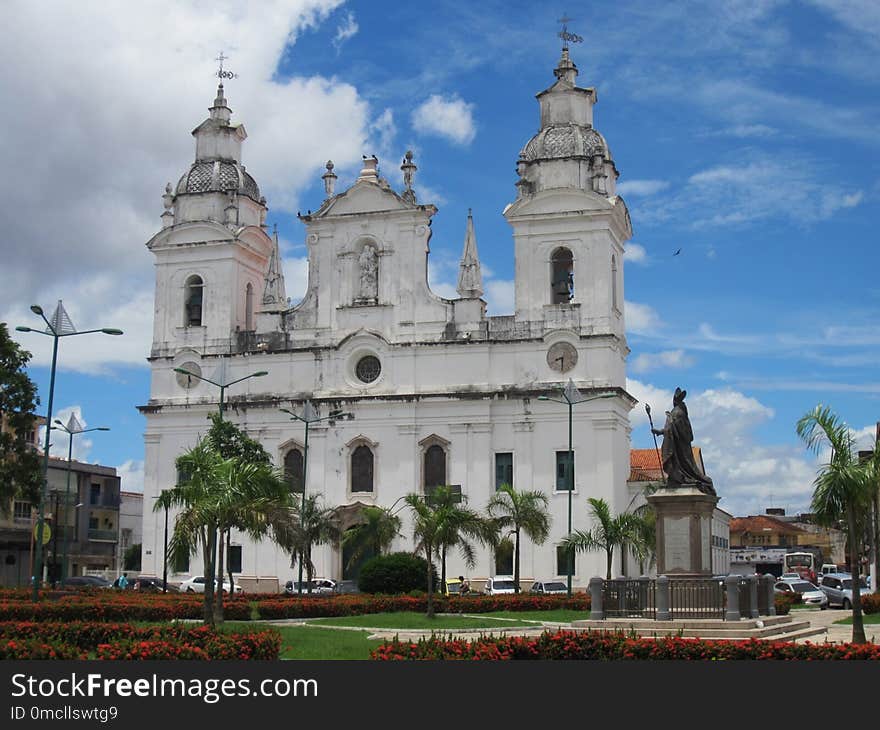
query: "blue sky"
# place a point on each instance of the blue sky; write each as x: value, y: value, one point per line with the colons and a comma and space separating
x: 745, y: 134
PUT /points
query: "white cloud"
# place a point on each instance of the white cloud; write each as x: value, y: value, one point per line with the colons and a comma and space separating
x: 669, y: 359
x: 641, y: 319
x: 753, y: 189
x: 500, y: 296
x: 451, y: 118
x: 635, y: 254
x: 59, y: 441
x: 131, y: 474
x: 636, y: 188
x: 87, y: 192
x: 384, y: 130
x: 345, y: 30
x: 296, y: 277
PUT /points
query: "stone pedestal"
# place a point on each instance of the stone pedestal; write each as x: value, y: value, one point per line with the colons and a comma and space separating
x: 684, y: 531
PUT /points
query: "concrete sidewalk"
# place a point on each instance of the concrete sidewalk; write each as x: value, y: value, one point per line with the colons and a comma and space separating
x: 837, y: 634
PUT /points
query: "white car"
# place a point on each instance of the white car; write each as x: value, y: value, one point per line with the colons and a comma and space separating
x: 319, y: 585
x: 548, y: 587
x: 810, y: 595
x: 499, y: 584
x: 196, y: 584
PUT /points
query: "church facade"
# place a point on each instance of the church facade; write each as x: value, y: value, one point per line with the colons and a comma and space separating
x: 436, y: 391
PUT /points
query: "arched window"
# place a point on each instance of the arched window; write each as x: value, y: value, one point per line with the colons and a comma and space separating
x: 562, y: 276
x: 362, y: 469
x: 614, y: 301
x: 435, y: 466
x: 293, y: 470
x: 249, y: 308
x: 193, y: 298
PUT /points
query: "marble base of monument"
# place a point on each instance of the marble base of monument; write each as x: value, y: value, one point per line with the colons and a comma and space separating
x: 684, y: 531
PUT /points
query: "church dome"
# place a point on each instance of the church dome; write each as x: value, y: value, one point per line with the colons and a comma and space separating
x: 218, y: 176
x: 565, y: 140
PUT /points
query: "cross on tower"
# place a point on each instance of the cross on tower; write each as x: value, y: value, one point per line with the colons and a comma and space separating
x: 221, y: 74
x: 565, y: 35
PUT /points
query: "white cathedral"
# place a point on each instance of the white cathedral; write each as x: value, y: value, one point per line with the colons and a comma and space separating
x: 438, y: 392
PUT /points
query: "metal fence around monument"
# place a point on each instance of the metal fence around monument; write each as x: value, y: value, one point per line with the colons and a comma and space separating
x: 629, y: 599
x: 696, y: 598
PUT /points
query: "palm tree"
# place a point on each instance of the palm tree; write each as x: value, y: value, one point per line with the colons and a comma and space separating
x: 608, y: 532
x: 373, y: 536
x: 426, y: 532
x: 458, y: 527
x: 520, y: 512
x: 313, y: 524
x: 842, y: 489
x: 219, y: 494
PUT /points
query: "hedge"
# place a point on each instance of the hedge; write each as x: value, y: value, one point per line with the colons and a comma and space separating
x: 76, y: 640
x: 357, y: 605
x: 571, y: 645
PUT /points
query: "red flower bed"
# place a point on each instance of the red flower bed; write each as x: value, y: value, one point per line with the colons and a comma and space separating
x: 359, y: 604
x: 614, y: 646
x: 117, y: 606
x: 73, y: 640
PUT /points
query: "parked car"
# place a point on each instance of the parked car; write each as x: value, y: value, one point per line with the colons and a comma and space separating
x: 319, y: 585
x: 86, y: 581
x: 149, y: 585
x: 548, y: 587
x: 196, y: 584
x: 838, y: 588
x: 499, y: 584
x: 791, y: 576
x: 452, y: 587
x: 810, y: 594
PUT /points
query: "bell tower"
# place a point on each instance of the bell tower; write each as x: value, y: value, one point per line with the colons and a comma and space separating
x: 569, y: 225
x: 213, y: 254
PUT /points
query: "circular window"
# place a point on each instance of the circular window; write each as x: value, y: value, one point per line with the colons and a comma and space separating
x: 368, y: 369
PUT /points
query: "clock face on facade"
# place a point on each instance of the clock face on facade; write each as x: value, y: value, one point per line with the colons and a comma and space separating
x: 185, y: 381
x: 562, y: 357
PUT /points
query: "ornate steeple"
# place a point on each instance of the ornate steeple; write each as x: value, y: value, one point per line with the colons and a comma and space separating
x: 274, y: 296
x: 470, y: 279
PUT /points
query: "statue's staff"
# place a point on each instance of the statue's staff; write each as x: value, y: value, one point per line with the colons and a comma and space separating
x: 660, y: 460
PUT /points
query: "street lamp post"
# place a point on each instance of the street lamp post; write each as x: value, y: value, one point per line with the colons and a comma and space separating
x: 72, y: 428
x: 165, y: 544
x: 222, y: 386
x: 60, y: 326
x: 571, y: 397
x: 308, y: 417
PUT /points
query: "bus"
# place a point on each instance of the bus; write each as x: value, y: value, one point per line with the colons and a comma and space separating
x: 804, y: 563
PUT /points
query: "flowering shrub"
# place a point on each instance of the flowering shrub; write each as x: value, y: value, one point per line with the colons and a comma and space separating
x: 784, y: 601
x: 871, y: 602
x: 123, y: 641
x: 614, y: 646
x: 116, y: 606
x: 356, y: 605
x: 37, y: 649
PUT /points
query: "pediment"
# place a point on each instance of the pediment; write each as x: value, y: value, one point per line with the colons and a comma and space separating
x: 364, y: 197
x: 549, y: 202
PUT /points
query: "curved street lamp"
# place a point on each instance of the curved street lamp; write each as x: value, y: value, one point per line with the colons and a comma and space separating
x: 72, y: 428
x: 308, y: 417
x: 222, y: 386
x: 56, y: 328
x: 571, y: 396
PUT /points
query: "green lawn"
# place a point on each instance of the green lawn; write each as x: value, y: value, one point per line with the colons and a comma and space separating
x: 412, y: 620
x: 561, y: 615
x: 870, y: 618
x: 303, y: 642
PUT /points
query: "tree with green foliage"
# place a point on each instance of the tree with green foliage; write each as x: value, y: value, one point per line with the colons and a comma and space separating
x: 313, y: 523
x: 520, y: 512
x: 373, y: 536
x: 21, y: 474
x: 608, y: 532
x: 131, y: 558
x: 215, y: 495
x: 842, y: 490
x: 459, y: 527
